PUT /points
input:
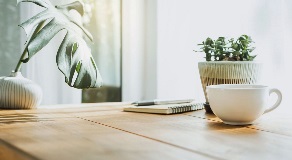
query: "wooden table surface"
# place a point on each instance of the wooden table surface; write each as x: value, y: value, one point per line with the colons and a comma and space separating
x: 104, y: 131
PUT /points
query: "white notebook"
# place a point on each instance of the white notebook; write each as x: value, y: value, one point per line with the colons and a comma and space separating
x: 166, y: 108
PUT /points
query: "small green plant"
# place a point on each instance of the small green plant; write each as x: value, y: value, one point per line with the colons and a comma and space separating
x: 223, y: 49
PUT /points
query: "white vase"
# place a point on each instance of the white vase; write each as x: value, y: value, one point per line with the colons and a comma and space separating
x: 17, y: 92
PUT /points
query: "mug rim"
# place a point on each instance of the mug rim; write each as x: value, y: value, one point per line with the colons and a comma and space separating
x: 237, y: 86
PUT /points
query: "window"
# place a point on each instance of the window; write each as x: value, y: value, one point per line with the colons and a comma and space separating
x: 103, y: 20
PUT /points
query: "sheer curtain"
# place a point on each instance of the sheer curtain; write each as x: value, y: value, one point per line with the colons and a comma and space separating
x: 180, y: 25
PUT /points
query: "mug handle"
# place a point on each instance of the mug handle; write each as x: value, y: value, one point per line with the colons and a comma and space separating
x: 279, y: 94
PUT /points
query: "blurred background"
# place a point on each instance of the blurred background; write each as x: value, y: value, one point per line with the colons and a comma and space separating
x: 102, y: 18
x: 144, y: 48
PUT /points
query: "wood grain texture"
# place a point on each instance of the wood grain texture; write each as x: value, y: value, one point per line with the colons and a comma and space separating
x: 227, y: 72
x: 103, y: 131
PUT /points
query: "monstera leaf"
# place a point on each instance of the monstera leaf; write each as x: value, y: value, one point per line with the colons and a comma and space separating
x: 74, y: 57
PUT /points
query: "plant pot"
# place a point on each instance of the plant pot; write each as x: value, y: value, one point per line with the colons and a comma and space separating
x: 228, y: 72
x: 17, y: 92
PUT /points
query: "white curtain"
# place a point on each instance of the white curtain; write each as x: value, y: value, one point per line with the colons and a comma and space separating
x: 181, y: 24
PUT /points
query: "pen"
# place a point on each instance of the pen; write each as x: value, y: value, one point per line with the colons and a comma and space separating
x: 154, y: 102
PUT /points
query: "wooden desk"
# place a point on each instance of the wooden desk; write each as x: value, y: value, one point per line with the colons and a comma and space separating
x: 103, y: 131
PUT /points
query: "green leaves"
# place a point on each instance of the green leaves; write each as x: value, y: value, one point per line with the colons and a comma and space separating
x: 74, y: 57
x: 222, y: 49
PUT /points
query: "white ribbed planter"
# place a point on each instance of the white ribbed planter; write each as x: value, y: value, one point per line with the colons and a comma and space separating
x: 228, y: 72
x: 17, y: 92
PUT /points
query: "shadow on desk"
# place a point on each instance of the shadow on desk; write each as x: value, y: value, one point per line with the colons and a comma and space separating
x: 20, y: 118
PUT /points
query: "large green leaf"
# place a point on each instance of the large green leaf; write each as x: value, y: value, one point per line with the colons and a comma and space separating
x: 74, y: 57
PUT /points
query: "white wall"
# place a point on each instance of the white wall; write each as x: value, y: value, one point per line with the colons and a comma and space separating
x: 139, y: 50
x: 182, y: 24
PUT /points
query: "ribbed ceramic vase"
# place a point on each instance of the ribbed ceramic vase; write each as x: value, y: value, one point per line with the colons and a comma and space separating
x: 228, y: 72
x: 17, y: 92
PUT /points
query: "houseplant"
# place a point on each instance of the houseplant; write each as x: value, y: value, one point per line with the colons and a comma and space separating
x: 228, y: 61
x: 73, y: 58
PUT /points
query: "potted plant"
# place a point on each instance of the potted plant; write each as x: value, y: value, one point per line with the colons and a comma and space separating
x: 73, y: 58
x: 228, y: 61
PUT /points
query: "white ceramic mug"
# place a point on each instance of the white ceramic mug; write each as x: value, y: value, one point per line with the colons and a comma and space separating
x: 241, y: 104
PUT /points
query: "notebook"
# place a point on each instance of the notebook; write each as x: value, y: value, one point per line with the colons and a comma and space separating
x: 165, y: 108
